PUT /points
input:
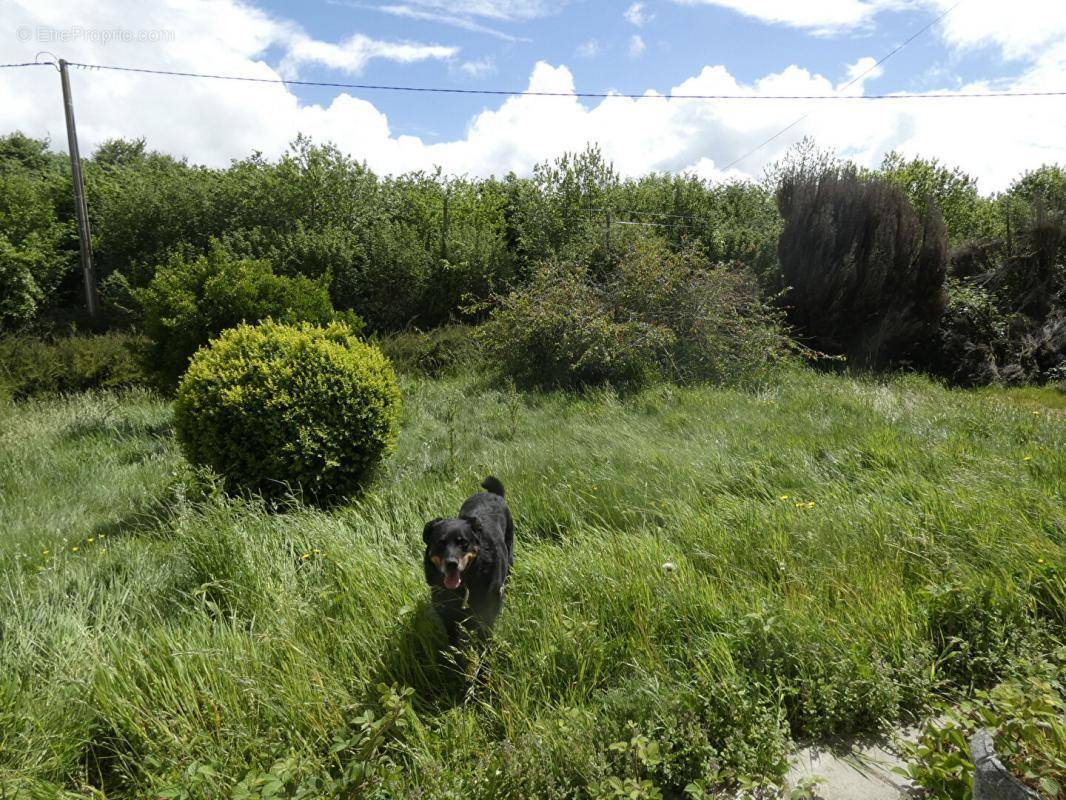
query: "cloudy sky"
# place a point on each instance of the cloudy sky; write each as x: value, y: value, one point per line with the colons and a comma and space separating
x: 657, y: 47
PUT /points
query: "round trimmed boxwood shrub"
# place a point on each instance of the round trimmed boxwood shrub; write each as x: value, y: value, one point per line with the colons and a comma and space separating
x: 279, y: 408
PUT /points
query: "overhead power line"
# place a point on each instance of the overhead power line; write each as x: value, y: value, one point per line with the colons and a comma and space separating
x: 849, y: 84
x: 532, y: 93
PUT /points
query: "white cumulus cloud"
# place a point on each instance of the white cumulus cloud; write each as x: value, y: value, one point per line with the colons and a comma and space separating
x: 213, y: 121
x: 637, y: 45
x: 1020, y: 29
x: 1017, y: 28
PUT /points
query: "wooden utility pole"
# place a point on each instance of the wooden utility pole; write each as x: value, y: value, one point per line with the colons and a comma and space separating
x: 81, y: 211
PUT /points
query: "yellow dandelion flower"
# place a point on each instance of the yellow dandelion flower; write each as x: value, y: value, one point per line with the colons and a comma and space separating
x: 783, y: 497
x: 810, y: 504
x: 1040, y: 561
x: 306, y: 556
x: 90, y: 540
x: 799, y: 505
x: 45, y: 552
x: 74, y: 549
x: 101, y: 536
x: 1027, y: 458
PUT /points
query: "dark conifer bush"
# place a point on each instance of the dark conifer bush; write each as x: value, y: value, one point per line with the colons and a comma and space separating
x: 865, y: 271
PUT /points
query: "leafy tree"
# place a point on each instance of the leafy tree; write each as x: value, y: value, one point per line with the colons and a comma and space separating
x: 26, y: 153
x: 35, y: 241
x: 928, y: 183
x: 144, y: 205
x: 115, y: 153
x: 1045, y: 185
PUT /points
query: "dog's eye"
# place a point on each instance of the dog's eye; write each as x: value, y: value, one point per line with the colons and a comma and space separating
x: 461, y: 543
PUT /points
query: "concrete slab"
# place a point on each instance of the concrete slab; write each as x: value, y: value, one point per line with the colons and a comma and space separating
x: 855, y: 772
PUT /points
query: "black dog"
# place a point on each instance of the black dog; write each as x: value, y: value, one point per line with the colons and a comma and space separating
x: 467, y: 562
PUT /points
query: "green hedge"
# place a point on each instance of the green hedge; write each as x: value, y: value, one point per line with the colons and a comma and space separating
x: 652, y: 314
x: 31, y: 367
x: 189, y: 302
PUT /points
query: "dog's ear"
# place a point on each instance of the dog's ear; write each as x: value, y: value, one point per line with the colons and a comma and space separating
x: 475, y: 528
x: 427, y: 532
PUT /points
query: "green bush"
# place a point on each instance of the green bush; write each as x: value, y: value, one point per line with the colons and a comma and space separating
x: 189, y: 302
x: 654, y: 313
x: 34, y: 254
x: 145, y: 204
x: 276, y: 408
x: 979, y: 629
x: 973, y: 336
x: 928, y: 183
x: 434, y: 353
x: 1006, y: 314
x: 30, y: 367
x: 20, y: 292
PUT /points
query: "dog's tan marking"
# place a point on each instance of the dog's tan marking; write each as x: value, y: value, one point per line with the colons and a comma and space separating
x: 467, y: 560
x: 436, y: 560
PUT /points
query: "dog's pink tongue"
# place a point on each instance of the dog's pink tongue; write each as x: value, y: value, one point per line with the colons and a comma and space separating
x: 452, y: 580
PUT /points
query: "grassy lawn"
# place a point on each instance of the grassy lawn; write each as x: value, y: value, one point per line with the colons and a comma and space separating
x: 842, y: 549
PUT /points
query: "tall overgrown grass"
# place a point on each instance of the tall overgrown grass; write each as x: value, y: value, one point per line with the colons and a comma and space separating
x: 701, y: 574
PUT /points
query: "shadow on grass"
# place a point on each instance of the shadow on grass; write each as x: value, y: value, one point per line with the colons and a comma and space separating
x: 150, y: 517
x: 418, y: 656
x: 116, y: 427
x: 104, y: 756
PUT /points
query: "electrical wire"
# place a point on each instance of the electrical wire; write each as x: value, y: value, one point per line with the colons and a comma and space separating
x: 604, y: 95
x: 847, y: 85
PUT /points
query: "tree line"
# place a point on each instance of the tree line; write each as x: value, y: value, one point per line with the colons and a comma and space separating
x: 906, y: 264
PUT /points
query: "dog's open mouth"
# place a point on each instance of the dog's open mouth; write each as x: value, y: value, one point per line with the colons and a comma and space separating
x: 453, y: 579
